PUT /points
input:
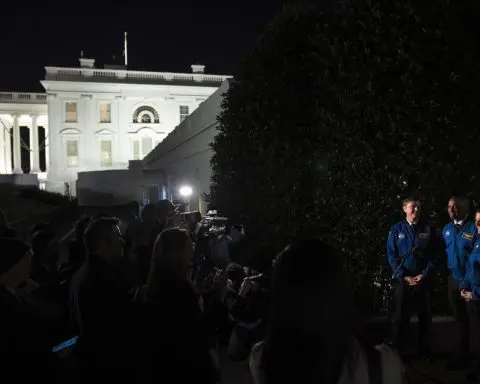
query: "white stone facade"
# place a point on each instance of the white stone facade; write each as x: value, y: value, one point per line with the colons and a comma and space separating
x: 99, y: 119
x: 17, y: 110
x: 184, y: 156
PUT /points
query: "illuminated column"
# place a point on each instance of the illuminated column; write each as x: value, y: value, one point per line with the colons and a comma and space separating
x: 34, y: 151
x: 17, y: 156
x: 47, y: 148
x: 7, y: 134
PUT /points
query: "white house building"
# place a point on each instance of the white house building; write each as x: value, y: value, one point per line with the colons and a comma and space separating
x: 184, y: 155
x: 97, y: 119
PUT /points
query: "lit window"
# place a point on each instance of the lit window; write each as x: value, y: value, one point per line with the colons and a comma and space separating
x: 105, y: 115
x: 106, y: 153
x: 136, y: 150
x: 184, y: 110
x: 147, y: 145
x: 71, y: 112
x: 72, y: 153
x: 146, y: 119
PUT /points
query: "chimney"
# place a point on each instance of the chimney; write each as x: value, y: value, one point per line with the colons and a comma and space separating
x: 87, y: 63
x: 198, y: 68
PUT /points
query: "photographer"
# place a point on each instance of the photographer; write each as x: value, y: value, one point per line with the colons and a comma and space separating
x: 220, y: 235
x: 246, y: 302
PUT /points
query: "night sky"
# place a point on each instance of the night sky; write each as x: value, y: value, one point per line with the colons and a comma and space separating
x: 160, y: 37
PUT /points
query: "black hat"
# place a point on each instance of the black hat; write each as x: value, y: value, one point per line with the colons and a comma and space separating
x: 165, y: 207
x: 11, y: 252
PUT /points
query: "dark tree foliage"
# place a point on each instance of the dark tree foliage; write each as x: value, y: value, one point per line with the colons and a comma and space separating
x: 334, y: 118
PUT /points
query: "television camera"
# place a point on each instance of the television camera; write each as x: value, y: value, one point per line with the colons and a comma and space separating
x: 210, y: 236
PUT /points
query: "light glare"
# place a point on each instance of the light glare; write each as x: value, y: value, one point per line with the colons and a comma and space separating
x: 186, y: 191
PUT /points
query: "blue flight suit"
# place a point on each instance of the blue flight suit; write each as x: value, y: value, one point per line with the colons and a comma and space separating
x: 401, y: 241
x: 410, y: 252
x: 459, y: 243
x: 471, y: 283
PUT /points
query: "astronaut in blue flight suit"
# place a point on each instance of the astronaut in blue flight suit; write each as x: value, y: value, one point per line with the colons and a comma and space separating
x: 410, y: 249
x: 459, y: 236
x: 470, y: 293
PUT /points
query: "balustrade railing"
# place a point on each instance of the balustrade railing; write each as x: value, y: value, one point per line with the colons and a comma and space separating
x: 29, y: 98
x: 95, y: 74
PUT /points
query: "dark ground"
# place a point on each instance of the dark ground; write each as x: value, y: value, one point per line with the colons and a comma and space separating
x: 443, y: 343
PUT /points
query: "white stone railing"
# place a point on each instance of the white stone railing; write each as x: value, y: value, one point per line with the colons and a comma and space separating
x: 116, y: 75
x: 25, y: 98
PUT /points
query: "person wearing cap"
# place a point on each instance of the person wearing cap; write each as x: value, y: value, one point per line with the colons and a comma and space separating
x: 165, y: 207
x: 166, y: 213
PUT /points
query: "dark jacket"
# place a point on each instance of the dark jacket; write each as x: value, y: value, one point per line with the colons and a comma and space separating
x: 172, y: 338
x: 24, y: 346
x: 7, y: 232
x: 101, y: 308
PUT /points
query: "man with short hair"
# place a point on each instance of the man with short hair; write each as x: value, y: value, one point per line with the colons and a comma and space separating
x: 410, y: 248
x: 101, y: 302
x: 460, y: 236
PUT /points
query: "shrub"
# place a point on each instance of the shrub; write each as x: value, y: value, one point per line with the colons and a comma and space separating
x: 334, y: 117
x: 45, y: 196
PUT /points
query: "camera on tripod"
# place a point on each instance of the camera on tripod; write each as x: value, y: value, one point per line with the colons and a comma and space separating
x: 212, y: 226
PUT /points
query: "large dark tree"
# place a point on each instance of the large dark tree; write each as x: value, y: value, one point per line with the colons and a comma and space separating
x: 334, y: 117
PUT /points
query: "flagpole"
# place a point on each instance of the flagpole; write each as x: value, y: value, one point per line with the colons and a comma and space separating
x: 125, y: 50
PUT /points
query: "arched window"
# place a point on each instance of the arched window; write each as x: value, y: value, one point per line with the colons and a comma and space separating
x: 146, y: 118
x: 140, y: 112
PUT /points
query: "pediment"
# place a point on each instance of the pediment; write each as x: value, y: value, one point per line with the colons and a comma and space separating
x: 145, y: 130
x: 105, y: 131
x: 70, y: 131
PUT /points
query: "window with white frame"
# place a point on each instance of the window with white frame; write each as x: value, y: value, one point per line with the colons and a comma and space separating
x: 146, y: 119
x: 147, y: 146
x: 105, y: 113
x: 136, y: 150
x: 72, y: 153
x: 142, y: 147
x: 106, y: 153
x: 184, y: 111
x: 71, y: 112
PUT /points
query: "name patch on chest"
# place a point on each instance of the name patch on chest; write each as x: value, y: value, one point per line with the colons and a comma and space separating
x: 401, y: 236
x: 467, y: 236
x: 424, y: 235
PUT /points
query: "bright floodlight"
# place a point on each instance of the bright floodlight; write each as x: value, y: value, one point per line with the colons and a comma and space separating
x: 186, y: 191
